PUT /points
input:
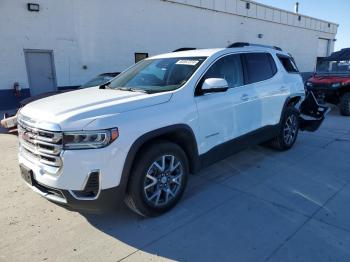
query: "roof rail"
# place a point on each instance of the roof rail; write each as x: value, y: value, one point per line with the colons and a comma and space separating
x: 243, y: 44
x: 238, y: 44
x: 185, y: 49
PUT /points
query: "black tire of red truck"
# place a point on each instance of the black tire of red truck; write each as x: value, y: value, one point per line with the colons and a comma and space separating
x: 344, y: 104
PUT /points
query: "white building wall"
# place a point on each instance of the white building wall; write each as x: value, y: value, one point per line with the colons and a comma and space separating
x: 104, y: 35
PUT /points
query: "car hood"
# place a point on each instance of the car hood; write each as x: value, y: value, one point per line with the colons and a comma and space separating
x: 74, y: 110
x: 37, y: 97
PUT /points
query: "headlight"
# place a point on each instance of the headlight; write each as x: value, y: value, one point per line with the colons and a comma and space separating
x: 336, y: 84
x: 89, y: 139
x: 309, y: 84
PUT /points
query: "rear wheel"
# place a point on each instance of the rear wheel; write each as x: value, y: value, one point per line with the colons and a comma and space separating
x: 344, y: 105
x: 288, y: 130
x: 158, y: 179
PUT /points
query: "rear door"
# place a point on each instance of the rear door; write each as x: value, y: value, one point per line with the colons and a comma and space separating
x: 270, y: 87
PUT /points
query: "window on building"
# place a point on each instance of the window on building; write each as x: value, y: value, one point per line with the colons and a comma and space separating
x: 140, y: 56
x: 259, y: 66
x: 228, y: 68
x: 288, y: 64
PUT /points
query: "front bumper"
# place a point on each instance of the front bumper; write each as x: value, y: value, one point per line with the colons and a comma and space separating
x: 76, y: 166
x: 106, y: 198
x: 65, y: 176
x: 323, y: 90
x: 325, y: 94
x: 70, y: 184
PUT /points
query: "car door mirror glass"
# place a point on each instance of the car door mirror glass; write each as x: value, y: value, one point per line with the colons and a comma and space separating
x: 214, y: 85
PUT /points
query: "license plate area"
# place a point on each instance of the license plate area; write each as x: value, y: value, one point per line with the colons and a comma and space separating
x: 27, y: 174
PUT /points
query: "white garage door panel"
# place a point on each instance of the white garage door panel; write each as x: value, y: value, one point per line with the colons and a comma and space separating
x: 322, y: 50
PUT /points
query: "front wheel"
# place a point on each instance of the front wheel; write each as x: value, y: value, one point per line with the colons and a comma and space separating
x: 158, y: 179
x: 289, y: 129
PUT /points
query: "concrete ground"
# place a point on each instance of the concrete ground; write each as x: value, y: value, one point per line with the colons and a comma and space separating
x: 258, y: 205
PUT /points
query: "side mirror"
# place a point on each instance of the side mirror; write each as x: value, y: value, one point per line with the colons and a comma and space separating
x: 214, y: 85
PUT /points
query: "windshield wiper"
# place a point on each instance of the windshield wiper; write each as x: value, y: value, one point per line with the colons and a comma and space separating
x: 105, y: 85
x: 132, y: 89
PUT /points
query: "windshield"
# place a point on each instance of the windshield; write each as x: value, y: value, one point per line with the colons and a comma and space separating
x: 333, y: 67
x: 157, y: 75
x: 98, y: 80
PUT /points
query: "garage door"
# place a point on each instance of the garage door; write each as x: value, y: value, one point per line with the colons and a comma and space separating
x: 322, y: 50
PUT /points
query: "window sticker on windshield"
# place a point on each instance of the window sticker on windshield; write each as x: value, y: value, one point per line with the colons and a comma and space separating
x: 187, y: 62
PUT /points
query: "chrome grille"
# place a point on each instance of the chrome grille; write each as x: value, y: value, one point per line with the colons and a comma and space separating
x: 40, y: 145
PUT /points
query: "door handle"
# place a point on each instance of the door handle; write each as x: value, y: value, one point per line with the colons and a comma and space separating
x: 245, y: 97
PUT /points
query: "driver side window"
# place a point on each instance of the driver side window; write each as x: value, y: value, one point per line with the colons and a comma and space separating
x: 229, y: 68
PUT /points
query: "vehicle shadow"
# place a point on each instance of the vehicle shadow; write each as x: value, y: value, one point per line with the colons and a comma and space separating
x: 132, y: 231
x: 201, y: 197
x: 226, y: 200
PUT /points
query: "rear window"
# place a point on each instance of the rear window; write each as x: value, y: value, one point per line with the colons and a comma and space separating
x: 259, y: 66
x: 288, y: 64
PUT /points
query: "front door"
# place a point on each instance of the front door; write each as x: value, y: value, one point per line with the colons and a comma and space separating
x: 40, y: 70
x: 224, y: 116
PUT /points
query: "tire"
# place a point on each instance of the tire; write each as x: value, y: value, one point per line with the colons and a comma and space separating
x: 344, y: 105
x: 154, y: 188
x: 289, y: 129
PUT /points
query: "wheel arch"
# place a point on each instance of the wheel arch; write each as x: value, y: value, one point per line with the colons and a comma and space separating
x: 291, y: 100
x: 180, y: 134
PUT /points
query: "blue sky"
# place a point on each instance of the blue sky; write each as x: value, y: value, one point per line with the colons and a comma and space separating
x: 336, y: 11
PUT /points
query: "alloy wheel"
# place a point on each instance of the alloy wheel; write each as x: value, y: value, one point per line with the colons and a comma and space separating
x: 290, y: 129
x: 163, y: 179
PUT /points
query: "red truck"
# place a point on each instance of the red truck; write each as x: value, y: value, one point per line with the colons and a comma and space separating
x: 330, y: 82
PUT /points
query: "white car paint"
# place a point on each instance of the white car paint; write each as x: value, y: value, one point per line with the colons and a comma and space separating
x: 73, y: 110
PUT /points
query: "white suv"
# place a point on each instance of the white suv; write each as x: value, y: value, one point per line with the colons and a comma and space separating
x: 139, y: 136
